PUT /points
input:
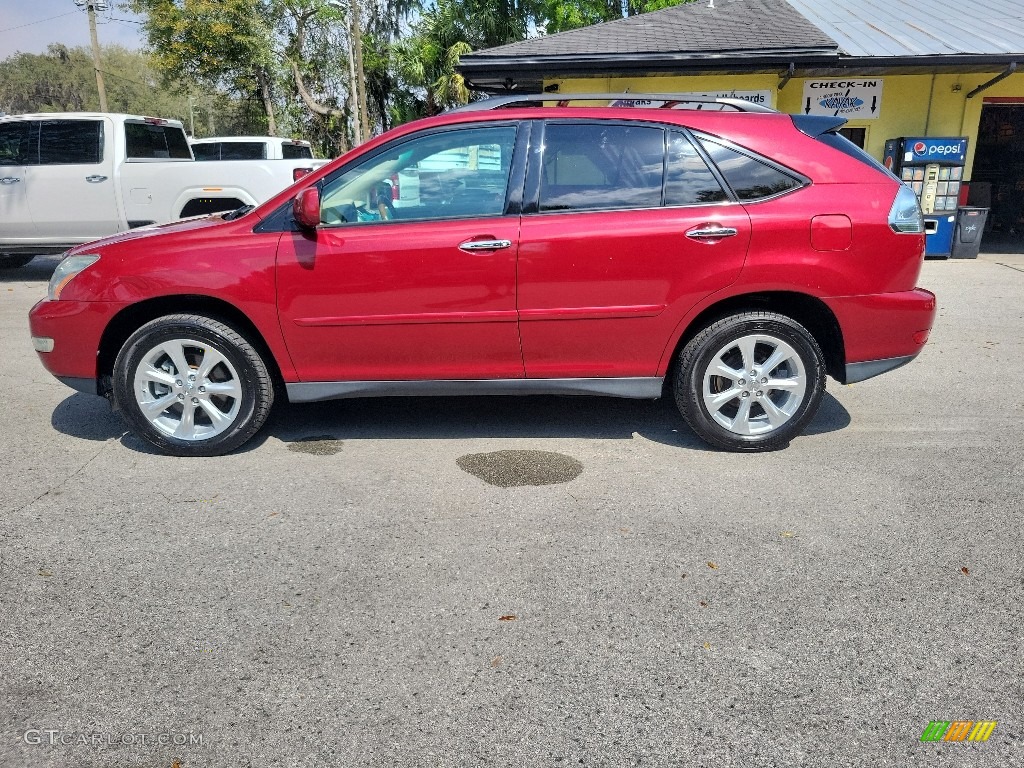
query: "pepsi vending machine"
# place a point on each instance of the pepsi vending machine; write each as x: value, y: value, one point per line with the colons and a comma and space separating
x: 934, y: 168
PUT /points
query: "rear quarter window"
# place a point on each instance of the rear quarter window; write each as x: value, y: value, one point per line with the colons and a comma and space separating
x: 750, y: 178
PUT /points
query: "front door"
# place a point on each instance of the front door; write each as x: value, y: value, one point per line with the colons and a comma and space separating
x: 15, y: 151
x: 411, y: 276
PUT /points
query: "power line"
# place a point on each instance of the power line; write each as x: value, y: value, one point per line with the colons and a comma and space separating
x: 40, y: 21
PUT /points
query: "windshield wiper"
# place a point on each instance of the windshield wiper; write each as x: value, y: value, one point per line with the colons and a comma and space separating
x: 238, y: 212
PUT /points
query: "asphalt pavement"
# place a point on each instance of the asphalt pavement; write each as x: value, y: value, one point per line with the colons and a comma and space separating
x: 378, y: 583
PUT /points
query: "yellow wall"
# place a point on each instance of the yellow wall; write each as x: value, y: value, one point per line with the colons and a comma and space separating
x: 912, y: 105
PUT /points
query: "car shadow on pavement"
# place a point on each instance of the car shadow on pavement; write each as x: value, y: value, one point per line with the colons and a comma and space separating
x: 442, y: 418
x: 40, y: 268
x: 594, y: 418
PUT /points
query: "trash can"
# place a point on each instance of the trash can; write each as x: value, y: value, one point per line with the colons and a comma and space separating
x: 970, y: 223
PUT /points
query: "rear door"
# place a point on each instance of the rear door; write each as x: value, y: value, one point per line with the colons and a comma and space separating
x: 625, y: 228
x: 71, y: 192
x: 16, y: 152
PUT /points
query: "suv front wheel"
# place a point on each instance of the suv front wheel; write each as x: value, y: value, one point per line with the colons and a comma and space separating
x: 192, y: 386
x: 750, y: 381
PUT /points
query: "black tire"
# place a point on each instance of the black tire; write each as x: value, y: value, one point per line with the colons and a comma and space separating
x: 11, y: 261
x: 236, y: 368
x: 773, y: 415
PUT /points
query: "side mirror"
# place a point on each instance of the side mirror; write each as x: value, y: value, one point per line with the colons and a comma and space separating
x: 306, y: 208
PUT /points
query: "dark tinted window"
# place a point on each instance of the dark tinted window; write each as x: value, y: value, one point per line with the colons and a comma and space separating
x: 16, y: 145
x: 243, y: 150
x: 206, y: 151
x: 750, y: 179
x: 689, y: 181
x: 70, y: 142
x: 155, y: 142
x: 601, y: 166
x: 296, y: 152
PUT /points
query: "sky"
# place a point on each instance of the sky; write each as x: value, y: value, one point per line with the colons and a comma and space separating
x: 30, y: 25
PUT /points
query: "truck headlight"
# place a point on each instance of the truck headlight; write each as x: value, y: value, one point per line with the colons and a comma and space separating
x: 67, y: 270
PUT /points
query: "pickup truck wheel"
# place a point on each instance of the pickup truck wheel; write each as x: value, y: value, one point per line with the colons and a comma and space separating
x: 192, y: 386
x: 750, y: 382
x: 8, y: 261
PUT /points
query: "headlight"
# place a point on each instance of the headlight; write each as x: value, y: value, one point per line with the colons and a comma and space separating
x: 67, y: 270
x: 905, y: 214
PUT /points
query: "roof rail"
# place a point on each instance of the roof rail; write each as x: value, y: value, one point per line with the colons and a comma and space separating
x: 671, y: 101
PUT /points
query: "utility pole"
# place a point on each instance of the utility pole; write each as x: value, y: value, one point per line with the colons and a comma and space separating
x: 92, y: 6
x: 357, y: 43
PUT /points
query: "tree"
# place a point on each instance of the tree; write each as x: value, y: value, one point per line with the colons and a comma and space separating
x: 63, y: 80
x: 561, y: 15
x: 214, y: 43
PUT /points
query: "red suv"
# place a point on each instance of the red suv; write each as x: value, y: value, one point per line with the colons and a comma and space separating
x: 515, y: 248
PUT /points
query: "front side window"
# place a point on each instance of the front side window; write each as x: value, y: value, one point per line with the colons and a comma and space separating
x: 451, y: 174
x: 749, y: 178
x: 16, y: 144
x: 146, y: 141
x: 593, y: 167
x: 70, y: 142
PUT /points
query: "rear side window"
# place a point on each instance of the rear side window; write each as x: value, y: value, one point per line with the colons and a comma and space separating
x: 243, y: 150
x: 296, y: 152
x: 70, y: 142
x: 688, y: 180
x: 16, y: 145
x: 588, y: 167
x: 155, y: 142
x: 750, y: 179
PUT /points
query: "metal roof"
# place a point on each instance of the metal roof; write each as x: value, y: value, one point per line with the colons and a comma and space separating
x: 903, y: 28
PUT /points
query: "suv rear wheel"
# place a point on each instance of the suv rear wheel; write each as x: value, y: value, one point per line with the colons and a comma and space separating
x: 192, y: 386
x: 750, y: 382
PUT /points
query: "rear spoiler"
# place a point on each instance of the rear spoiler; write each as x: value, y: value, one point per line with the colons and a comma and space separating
x: 815, y: 125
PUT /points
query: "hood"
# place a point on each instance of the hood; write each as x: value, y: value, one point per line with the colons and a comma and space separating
x: 153, y: 230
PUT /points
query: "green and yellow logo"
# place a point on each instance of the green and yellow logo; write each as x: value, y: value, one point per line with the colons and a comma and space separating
x: 959, y: 730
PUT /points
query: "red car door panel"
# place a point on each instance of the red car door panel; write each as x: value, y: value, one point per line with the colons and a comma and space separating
x: 398, y: 301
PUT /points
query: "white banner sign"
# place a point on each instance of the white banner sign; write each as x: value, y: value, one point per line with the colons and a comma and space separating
x: 754, y: 97
x: 852, y: 99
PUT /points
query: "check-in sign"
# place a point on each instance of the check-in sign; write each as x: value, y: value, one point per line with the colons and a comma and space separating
x: 852, y: 99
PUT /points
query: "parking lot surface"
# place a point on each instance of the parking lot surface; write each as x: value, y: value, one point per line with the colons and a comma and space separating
x: 523, y: 582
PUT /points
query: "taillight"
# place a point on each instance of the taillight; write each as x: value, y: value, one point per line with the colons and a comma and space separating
x: 298, y: 173
x: 905, y: 215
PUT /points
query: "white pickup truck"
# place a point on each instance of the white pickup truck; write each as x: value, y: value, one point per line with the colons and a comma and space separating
x: 254, y: 148
x: 68, y: 178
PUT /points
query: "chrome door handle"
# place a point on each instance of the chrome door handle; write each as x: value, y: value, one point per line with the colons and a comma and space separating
x: 485, y: 245
x: 95, y: 179
x: 9, y: 180
x: 711, y: 233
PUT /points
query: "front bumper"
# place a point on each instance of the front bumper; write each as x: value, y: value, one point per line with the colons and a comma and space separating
x: 76, y: 328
